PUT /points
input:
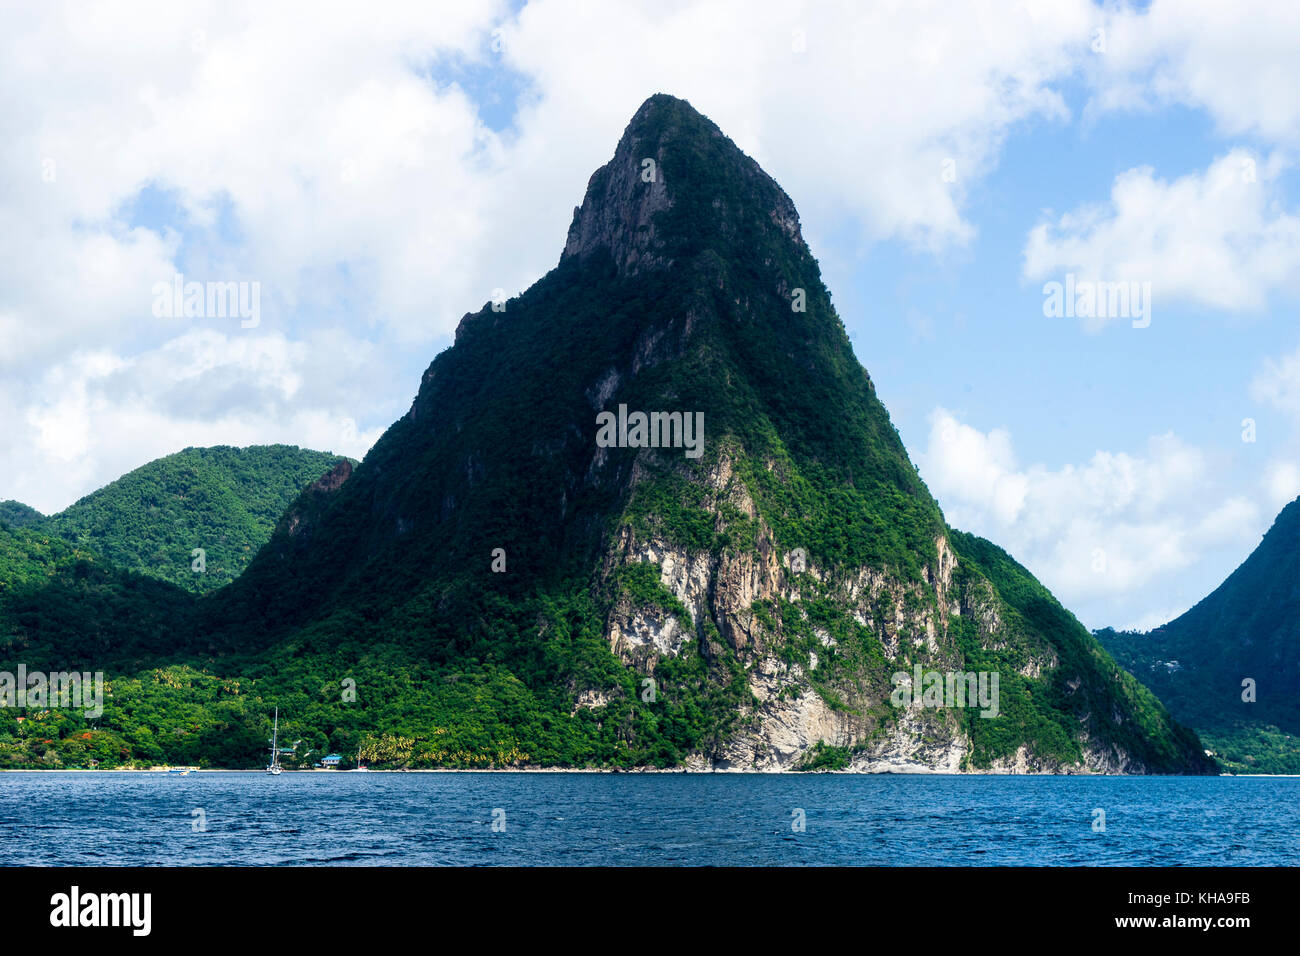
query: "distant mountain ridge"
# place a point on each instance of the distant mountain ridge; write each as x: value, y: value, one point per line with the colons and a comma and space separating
x: 1248, y: 629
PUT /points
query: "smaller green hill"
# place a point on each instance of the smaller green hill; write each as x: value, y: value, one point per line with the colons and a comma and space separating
x: 15, y: 514
x: 222, y: 500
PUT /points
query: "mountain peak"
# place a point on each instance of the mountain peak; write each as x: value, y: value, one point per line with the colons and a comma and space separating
x: 777, y: 579
x: 676, y: 185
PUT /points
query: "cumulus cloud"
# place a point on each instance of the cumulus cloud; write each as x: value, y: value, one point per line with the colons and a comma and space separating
x: 1278, y: 384
x: 1216, y: 238
x: 307, y: 130
x: 1103, y: 534
x: 1235, y: 61
x: 100, y: 413
x: 1282, y: 482
x: 857, y: 110
x: 298, y: 146
x: 321, y: 151
x: 1221, y: 237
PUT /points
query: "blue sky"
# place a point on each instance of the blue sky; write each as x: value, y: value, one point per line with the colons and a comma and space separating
x: 966, y: 332
x: 379, y: 177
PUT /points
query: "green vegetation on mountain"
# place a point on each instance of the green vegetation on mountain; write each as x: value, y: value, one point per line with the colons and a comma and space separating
x: 490, y: 588
x: 64, y: 607
x: 15, y: 514
x: 1086, y: 683
x: 222, y: 500
x: 1230, y: 667
x: 28, y: 555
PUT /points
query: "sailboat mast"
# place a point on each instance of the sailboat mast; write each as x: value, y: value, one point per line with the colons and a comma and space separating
x: 275, y: 738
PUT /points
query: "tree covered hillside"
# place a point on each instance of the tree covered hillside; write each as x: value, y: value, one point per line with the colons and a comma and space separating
x: 222, y: 500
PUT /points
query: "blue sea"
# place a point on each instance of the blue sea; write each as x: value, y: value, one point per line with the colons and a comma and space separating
x: 584, y: 819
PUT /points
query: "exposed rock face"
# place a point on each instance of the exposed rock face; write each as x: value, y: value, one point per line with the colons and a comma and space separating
x: 296, y: 520
x: 789, y: 715
x: 332, y: 479
x: 618, y: 213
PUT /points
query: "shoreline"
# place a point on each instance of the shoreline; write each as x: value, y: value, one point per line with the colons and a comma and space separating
x: 899, y: 772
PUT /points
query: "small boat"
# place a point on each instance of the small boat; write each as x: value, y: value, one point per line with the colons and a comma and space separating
x: 274, y: 767
x: 182, y: 770
x: 360, y: 767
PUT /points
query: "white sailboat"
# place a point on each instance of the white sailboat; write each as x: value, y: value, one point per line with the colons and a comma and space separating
x: 360, y: 767
x: 274, y: 767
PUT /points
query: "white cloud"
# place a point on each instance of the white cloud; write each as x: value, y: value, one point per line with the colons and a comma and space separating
x: 1278, y: 384
x: 886, y: 92
x: 315, y: 132
x: 1282, y: 483
x: 1103, y: 535
x: 303, y: 149
x: 1216, y: 238
x: 307, y: 125
x: 303, y: 146
x: 1237, y: 61
x: 99, y: 413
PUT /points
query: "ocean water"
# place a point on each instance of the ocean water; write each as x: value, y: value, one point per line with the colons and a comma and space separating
x: 566, y: 819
